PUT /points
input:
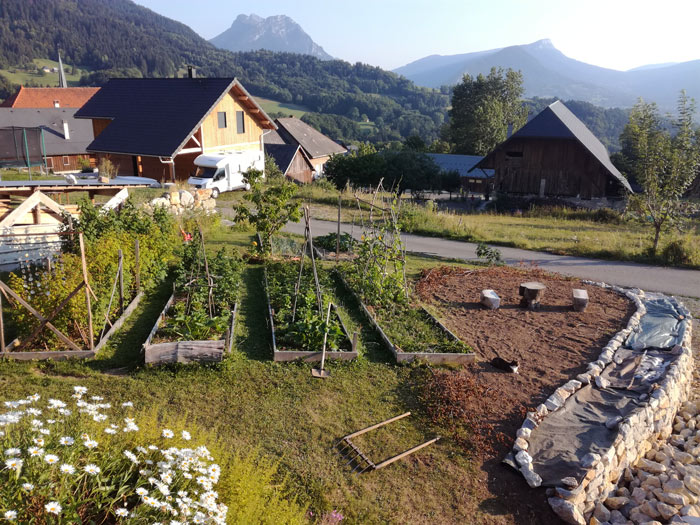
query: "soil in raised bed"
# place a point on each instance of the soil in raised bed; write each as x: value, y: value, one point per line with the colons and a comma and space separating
x: 552, y: 344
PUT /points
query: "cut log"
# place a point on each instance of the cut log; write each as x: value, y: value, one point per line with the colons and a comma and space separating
x: 580, y: 299
x: 531, y: 294
x: 490, y: 299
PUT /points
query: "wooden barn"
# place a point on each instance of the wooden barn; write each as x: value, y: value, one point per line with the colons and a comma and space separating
x: 555, y: 155
x: 316, y: 146
x: 156, y: 127
x: 292, y: 161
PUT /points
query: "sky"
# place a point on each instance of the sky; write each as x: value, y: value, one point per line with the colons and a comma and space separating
x: 618, y: 34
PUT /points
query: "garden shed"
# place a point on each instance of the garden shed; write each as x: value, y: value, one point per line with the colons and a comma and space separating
x: 555, y: 155
x: 292, y: 161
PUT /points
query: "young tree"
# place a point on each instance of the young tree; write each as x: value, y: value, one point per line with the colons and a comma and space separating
x: 272, y: 207
x: 484, y: 108
x: 272, y: 170
x: 664, y: 165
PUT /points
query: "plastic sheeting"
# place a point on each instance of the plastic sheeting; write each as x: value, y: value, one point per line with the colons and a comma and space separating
x: 565, y: 436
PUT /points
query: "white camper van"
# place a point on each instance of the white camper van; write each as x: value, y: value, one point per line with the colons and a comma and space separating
x: 222, y: 172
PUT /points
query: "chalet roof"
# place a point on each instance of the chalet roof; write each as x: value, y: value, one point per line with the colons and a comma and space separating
x: 273, y: 137
x: 156, y: 116
x: 284, y: 154
x: 461, y: 164
x: 51, y: 121
x: 314, y: 143
x: 46, y: 97
x: 556, y: 121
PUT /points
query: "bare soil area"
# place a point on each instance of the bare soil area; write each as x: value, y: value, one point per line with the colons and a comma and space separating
x: 552, y: 345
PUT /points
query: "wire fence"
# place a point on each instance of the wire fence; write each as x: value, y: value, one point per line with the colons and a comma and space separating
x: 21, y: 147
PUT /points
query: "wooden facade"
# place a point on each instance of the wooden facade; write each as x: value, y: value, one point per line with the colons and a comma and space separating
x: 61, y: 163
x: 217, y: 139
x: 551, y: 167
x: 300, y: 169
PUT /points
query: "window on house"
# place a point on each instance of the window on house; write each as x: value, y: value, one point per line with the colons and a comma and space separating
x: 221, y: 116
x: 240, y: 122
x: 66, y: 161
x: 49, y: 162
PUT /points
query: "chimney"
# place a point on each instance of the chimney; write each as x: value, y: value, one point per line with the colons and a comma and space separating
x: 66, y: 131
x: 191, y: 72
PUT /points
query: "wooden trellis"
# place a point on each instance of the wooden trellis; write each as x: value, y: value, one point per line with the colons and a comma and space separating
x: 19, y: 349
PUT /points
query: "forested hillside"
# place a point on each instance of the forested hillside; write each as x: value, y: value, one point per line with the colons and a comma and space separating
x: 347, y: 101
x: 120, y: 38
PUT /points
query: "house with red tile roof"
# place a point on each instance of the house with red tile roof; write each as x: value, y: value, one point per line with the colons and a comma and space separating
x: 50, y: 97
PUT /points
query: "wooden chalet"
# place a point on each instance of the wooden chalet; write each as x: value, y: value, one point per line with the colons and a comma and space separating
x: 555, y: 155
x: 292, y: 161
x: 50, y: 97
x: 156, y: 127
x: 316, y: 146
x: 57, y: 140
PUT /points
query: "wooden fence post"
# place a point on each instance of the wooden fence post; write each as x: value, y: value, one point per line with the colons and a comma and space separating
x: 2, y: 328
x: 137, y: 266
x: 87, y: 290
x: 337, y: 238
x: 121, y: 281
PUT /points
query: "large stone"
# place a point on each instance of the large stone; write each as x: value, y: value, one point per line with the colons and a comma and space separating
x: 567, y: 511
x: 174, y: 198
x: 589, y: 460
x: 651, y: 466
x: 580, y: 299
x: 616, y: 502
x: 671, y: 498
x: 650, y: 508
x: 674, y: 485
x: 520, y: 444
x: 666, y: 511
x: 186, y: 198
x: 602, y: 383
x: 601, y: 512
x: 533, y: 479
x: 490, y: 299
x: 692, y: 483
x: 639, y: 495
x: 209, y: 204
x: 523, y: 458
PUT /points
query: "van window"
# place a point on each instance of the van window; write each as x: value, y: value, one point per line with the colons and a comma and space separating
x: 207, y: 173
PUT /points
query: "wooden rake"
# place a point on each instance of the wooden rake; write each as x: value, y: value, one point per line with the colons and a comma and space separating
x: 359, y: 461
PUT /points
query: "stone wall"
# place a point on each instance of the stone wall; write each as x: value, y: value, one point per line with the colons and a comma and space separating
x: 637, y: 434
x: 180, y: 201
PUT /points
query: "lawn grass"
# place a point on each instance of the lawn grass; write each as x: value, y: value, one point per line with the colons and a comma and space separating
x: 278, y: 409
x: 289, y: 109
x: 23, y: 77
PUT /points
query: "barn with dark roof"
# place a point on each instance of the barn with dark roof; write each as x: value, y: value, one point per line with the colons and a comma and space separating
x: 555, y: 155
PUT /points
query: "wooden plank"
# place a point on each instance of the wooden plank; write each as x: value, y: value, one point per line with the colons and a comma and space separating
x: 270, y: 314
x: 91, y: 341
x: 372, y: 427
x: 119, y: 322
x: 161, y: 316
x: 29, y: 204
x: 404, y: 454
x: 232, y: 330
x: 57, y: 355
x: 36, y: 314
x: 185, y: 352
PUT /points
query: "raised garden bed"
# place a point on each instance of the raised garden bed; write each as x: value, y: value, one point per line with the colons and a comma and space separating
x: 410, y: 332
x: 185, y: 351
x: 198, y: 321
x: 300, y: 336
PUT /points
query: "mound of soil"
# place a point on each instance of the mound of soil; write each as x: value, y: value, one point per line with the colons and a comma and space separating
x: 552, y: 345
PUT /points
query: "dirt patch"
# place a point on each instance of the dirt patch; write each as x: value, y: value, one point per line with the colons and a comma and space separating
x: 552, y: 345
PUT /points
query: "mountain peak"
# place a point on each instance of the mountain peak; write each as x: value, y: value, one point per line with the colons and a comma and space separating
x: 274, y: 33
x: 544, y: 43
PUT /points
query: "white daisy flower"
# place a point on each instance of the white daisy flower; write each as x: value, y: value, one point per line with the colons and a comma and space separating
x: 14, y: 464
x: 186, y: 435
x: 27, y: 486
x: 127, y: 404
x: 90, y: 443
x: 44, y: 431
x: 110, y: 430
x: 66, y: 441
x: 35, y: 451
x: 121, y: 512
x: 34, y: 397
x: 53, y: 507
x: 51, y: 459
x: 39, y: 442
x: 56, y: 403
x: 92, y: 469
x: 67, y: 469
x: 13, y: 452
x: 10, y: 515
x: 141, y: 491
x: 167, y: 434
x: 80, y: 390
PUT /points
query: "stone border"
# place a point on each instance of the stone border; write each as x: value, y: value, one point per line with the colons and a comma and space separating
x: 573, y: 502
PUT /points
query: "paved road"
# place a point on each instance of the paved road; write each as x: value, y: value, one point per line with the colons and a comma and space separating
x: 653, y: 278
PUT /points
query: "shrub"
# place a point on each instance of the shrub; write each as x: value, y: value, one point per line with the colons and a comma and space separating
x: 488, y: 254
x: 329, y: 242
x: 678, y: 253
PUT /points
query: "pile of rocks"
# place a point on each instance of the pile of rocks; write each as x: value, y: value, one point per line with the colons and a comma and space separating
x: 179, y: 201
x: 664, y: 486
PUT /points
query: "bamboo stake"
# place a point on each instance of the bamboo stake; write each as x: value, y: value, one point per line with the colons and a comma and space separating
x: 2, y: 329
x: 87, y: 292
x: 325, y: 337
x: 137, y: 266
x: 121, y: 281
x: 296, y: 288
x: 319, y: 298
x: 391, y: 420
x: 337, y: 238
x: 397, y: 457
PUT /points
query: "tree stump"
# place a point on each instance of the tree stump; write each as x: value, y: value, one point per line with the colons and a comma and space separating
x: 531, y: 294
x: 490, y: 299
x: 580, y: 299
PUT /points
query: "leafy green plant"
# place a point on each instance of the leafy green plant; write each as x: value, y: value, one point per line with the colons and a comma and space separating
x: 307, y: 327
x: 329, y: 242
x: 489, y: 254
x: 272, y: 206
